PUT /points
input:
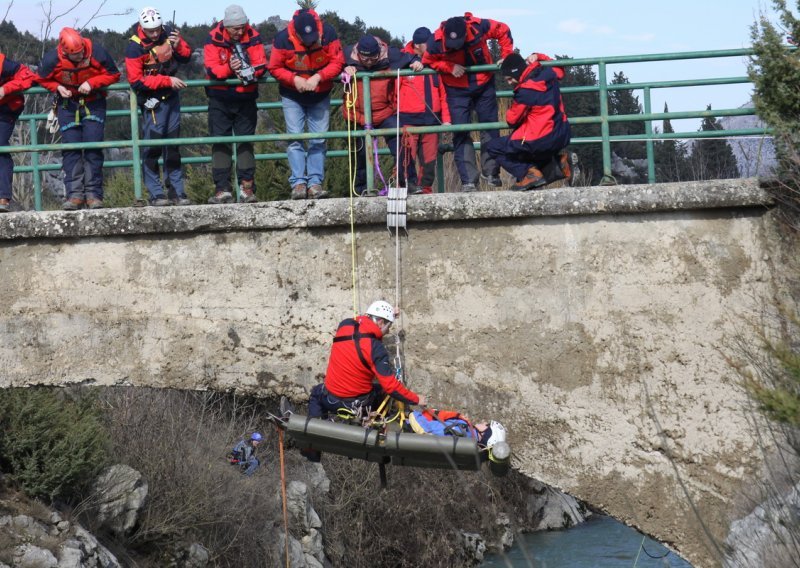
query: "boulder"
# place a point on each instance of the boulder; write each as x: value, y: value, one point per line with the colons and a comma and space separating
x: 122, y: 492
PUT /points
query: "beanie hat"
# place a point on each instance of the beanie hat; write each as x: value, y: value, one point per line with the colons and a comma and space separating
x: 455, y: 32
x: 368, y: 46
x: 513, y: 66
x: 234, y: 16
x: 306, y: 27
x: 421, y: 35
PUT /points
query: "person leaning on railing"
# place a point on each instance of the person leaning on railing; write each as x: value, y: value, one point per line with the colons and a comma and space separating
x: 233, y: 50
x: 535, y: 151
x: 462, y: 42
x: 372, y: 54
x: 14, y: 78
x: 306, y: 57
x: 76, y: 71
x: 423, y: 102
x: 151, y: 60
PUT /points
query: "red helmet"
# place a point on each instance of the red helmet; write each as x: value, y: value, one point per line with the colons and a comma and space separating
x: 70, y: 41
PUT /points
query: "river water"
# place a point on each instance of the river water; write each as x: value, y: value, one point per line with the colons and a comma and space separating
x: 600, y: 542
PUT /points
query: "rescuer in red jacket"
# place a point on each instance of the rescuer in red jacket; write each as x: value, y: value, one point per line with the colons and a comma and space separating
x: 233, y: 50
x: 14, y: 78
x: 423, y: 102
x: 151, y: 59
x: 534, y: 151
x: 357, y: 359
x: 372, y: 54
x: 462, y: 42
x: 76, y: 71
x: 306, y: 57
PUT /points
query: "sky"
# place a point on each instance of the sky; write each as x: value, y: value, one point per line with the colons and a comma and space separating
x: 576, y: 28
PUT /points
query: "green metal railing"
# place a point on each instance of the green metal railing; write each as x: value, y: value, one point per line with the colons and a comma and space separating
x: 604, y: 120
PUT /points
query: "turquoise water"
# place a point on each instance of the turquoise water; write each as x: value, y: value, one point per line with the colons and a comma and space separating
x: 600, y: 542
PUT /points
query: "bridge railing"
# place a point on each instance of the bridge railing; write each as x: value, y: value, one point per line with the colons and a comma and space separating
x: 604, y: 119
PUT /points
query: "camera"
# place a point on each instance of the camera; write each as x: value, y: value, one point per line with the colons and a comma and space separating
x: 247, y: 73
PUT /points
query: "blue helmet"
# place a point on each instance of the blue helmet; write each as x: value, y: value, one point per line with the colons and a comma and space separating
x: 256, y: 437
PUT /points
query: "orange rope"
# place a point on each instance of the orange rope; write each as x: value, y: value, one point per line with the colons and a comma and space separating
x: 283, y: 494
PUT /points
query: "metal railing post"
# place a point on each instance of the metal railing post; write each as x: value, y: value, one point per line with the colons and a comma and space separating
x: 136, y: 150
x: 605, y: 131
x: 648, y: 128
x: 37, y: 178
x: 368, y: 154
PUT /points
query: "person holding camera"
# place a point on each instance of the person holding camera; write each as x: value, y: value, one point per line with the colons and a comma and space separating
x: 233, y: 50
x: 151, y: 59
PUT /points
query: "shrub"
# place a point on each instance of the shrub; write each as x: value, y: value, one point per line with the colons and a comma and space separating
x: 51, y: 445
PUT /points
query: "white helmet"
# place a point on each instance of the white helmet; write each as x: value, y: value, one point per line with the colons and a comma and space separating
x: 150, y: 18
x: 381, y: 309
x: 498, y: 434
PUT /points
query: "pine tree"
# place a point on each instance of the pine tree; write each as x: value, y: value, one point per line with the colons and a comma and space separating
x: 624, y: 102
x: 712, y: 158
x: 670, y: 156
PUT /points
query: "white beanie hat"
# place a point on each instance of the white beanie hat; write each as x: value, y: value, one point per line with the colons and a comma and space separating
x: 234, y: 16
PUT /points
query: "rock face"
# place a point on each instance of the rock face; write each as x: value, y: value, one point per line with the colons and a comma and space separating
x: 595, y: 323
x: 34, y: 543
x: 122, y: 492
x: 548, y: 508
x: 305, y: 529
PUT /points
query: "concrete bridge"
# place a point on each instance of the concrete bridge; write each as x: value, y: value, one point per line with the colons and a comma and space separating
x: 595, y: 322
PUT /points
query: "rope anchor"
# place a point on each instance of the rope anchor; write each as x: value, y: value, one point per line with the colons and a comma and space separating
x: 396, y: 208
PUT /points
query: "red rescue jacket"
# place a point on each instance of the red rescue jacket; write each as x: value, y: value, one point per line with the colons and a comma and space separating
x: 357, y: 357
x: 474, y: 52
x: 14, y: 78
x: 97, y: 68
x: 217, y: 54
x: 289, y: 58
x: 537, y: 112
x: 423, y: 99
x: 148, y: 76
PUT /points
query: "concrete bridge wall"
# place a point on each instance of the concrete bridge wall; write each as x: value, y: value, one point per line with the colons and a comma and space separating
x: 594, y: 322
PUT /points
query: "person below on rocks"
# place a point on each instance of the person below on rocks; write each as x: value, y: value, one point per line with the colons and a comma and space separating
x: 244, y: 454
x: 534, y: 153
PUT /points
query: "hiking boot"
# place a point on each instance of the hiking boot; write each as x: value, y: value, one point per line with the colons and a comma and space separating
x: 5, y: 205
x: 532, y: 180
x: 182, y: 201
x: 300, y: 191
x: 73, y: 204
x: 246, y: 192
x: 414, y: 189
x: 94, y: 203
x: 160, y: 202
x: 494, y: 181
x: 427, y: 190
x: 568, y: 162
x: 315, y: 191
x: 220, y: 197
x: 468, y: 188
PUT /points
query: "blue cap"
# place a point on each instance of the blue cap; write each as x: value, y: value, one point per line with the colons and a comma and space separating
x: 455, y: 32
x: 368, y: 46
x: 421, y: 35
x: 305, y: 25
x: 256, y: 437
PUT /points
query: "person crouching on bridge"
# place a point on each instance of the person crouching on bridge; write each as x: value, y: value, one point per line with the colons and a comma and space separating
x: 76, y: 71
x: 14, y: 78
x: 233, y: 49
x: 534, y: 153
x: 358, y: 357
x: 306, y: 57
x: 151, y: 59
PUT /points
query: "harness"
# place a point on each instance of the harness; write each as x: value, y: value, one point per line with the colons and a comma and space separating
x: 160, y: 60
x: 356, y: 338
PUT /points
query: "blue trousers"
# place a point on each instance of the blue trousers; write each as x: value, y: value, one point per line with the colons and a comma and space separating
x: 83, y: 169
x: 161, y: 123
x: 6, y: 161
x: 463, y: 102
x: 307, y: 167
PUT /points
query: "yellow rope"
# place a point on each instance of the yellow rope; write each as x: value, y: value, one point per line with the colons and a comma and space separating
x: 351, y: 96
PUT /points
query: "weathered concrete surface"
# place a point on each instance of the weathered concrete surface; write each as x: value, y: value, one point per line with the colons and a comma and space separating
x: 576, y: 316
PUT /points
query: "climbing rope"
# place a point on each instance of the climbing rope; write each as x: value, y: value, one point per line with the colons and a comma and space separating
x: 351, y: 97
